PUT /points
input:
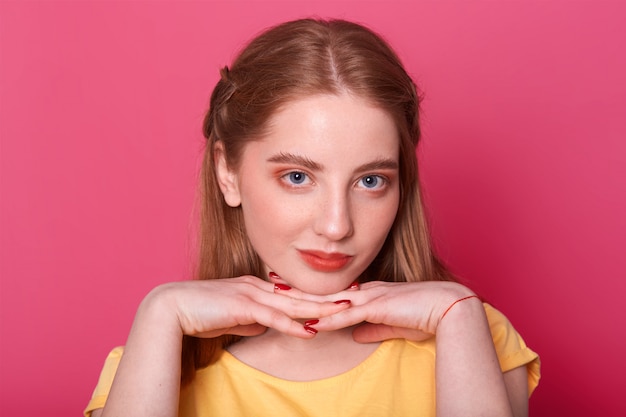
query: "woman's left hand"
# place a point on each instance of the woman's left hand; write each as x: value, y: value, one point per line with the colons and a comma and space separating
x: 388, y: 310
x: 469, y: 380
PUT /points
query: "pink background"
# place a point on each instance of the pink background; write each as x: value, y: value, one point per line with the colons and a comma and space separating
x: 524, y: 163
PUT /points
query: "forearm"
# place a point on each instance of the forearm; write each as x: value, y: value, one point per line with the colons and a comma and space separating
x: 468, y: 375
x: 147, y: 382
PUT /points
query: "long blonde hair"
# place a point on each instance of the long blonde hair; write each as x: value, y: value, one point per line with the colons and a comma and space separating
x: 287, y: 62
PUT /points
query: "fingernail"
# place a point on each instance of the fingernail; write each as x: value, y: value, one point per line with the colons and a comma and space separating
x: 309, y: 323
x: 281, y: 287
x: 354, y: 286
x: 310, y: 329
x: 273, y: 274
x: 343, y: 302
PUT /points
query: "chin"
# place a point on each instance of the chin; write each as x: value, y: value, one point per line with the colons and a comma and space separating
x: 318, y: 283
x: 323, y: 289
x: 318, y: 291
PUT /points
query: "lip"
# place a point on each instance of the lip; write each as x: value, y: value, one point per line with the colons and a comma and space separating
x: 325, y: 261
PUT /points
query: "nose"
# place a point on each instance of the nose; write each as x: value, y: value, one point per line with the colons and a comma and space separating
x: 334, y: 219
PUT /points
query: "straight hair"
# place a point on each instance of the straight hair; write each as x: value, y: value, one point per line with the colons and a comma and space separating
x: 283, y: 64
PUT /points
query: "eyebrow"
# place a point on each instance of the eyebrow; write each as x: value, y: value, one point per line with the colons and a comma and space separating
x: 289, y: 158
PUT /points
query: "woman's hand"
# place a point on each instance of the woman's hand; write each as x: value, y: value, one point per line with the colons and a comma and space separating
x: 469, y: 380
x: 408, y: 310
x: 242, y: 306
x: 147, y: 381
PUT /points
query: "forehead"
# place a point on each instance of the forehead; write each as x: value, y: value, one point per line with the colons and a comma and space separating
x: 344, y: 122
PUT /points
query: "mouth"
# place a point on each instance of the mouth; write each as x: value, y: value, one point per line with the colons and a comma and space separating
x: 324, y: 261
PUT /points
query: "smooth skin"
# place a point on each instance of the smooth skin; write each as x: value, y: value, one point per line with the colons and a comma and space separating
x: 321, y: 186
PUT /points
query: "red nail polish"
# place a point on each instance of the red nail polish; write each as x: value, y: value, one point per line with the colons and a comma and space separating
x: 354, y: 286
x: 310, y: 329
x: 309, y: 323
x: 273, y: 274
x: 343, y: 302
x: 282, y: 287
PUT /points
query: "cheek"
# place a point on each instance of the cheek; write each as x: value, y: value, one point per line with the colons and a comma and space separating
x: 268, y: 219
x: 376, y: 220
x: 258, y: 213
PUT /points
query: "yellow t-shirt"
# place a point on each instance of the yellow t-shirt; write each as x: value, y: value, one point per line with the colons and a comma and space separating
x: 398, y: 379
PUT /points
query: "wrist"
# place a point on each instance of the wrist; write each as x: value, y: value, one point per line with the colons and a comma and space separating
x: 464, y: 311
x: 460, y: 300
x: 158, y: 312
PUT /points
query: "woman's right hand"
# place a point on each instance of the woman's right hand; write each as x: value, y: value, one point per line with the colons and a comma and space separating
x: 147, y: 381
x: 244, y: 306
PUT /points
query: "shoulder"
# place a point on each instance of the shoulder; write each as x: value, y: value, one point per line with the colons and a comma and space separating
x: 511, y: 348
x: 506, y: 339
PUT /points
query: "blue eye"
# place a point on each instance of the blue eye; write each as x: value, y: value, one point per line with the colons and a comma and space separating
x: 296, y: 177
x: 371, y: 181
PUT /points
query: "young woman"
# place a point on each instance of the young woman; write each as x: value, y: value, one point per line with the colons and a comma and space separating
x: 318, y: 291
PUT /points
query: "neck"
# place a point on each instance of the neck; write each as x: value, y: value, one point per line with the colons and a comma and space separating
x: 292, y: 358
x: 321, y: 341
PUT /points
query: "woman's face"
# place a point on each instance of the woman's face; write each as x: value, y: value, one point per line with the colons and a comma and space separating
x: 320, y: 192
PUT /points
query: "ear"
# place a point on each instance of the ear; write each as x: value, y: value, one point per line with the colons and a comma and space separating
x: 226, y: 178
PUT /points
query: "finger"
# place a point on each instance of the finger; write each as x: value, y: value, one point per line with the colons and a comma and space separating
x: 359, y: 293
x: 277, y: 319
x: 282, y: 287
x: 346, y: 318
x: 293, y: 303
x: 354, y: 286
x: 247, y: 330
x: 370, y: 332
x: 243, y: 330
x: 299, y: 308
x: 251, y: 285
x: 254, y: 319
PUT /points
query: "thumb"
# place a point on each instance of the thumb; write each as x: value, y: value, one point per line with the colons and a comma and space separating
x: 370, y: 332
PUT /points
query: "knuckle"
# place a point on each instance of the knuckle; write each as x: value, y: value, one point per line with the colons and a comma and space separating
x: 299, y: 308
x: 276, y: 316
x: 247, y: 279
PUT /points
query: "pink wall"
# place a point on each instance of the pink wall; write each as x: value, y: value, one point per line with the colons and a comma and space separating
x: 524, y: 163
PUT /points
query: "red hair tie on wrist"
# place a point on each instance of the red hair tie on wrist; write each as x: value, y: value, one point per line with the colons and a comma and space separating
x: 454, y: 303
